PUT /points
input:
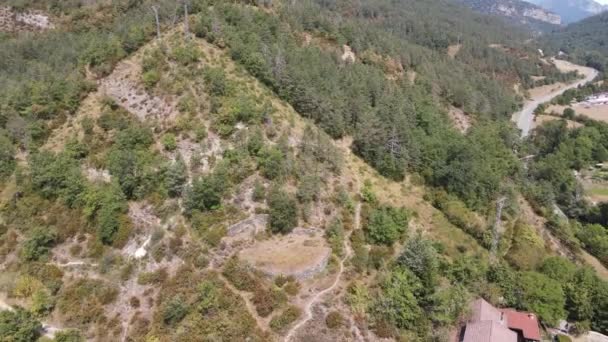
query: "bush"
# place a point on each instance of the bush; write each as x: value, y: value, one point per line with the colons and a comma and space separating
x: 259, y: 191
x: 82, y: 302
x: 216, y: 81
x: 569, y: 113
x: 154, y: 277
x: 267, y: 300
x: 169, y: 142
x: 280, y: 322
x: 174, y: 311
x: 7, y: 157
x: 205, y: 193
x: 150, y: 78
x: 186, y: 55
x: 19, y: 326
x: 69, y: 336
x: 334, y: 320
x: 238, y: 275
x: 39, y: 244
x: 272, y: 163
x: 283, y: 215
x: 176, y: 177
x: 386, y: 225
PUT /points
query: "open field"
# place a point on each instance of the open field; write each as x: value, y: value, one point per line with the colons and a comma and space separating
x: 301, y: 254
x: 538, y: 95
x: 596, y: 112
x: 541, y: 119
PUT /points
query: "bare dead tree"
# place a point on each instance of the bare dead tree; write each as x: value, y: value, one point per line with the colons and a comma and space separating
x: 155, y: 10
x: 186, y: 28
x: 393, y: 145
x: 175, y: 14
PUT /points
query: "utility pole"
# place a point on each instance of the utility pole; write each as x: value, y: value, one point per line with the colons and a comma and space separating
x: 155, y: 10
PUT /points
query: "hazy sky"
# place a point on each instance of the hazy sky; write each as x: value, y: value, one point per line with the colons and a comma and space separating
x: 605, y: 2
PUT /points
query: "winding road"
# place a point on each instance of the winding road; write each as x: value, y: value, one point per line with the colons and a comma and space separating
x: 319, y: 295
x: 525, y: 117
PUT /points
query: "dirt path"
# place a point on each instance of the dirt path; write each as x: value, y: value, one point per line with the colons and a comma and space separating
x: 316, y: 298
x: 525, y: 118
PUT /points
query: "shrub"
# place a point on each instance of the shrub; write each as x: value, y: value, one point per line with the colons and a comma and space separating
x: 174, y: 311
x: 154, y: 277
x: 175, y: 177
x: 150, y: 78
x: 19, y: 326
x: 272, y: 163
x: 82, y: 302
x: 169, y: 142
x: 283, y: 215
x: 259, y: 191
x: 205, y: 193
x: 238, y: 275
x: 216, y: 82
x: 7, y: 157
x: 569, y: 113
x: 267, y: 300
x: 39, y: 244
x: 71, y: 335
x: 186, y: 55
x: 280, y: 322
x: 334, y: 320
x: 386, y: 225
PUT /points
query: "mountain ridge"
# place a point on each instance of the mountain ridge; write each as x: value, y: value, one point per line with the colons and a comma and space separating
x: 516, y: 10
x: 571, y: 10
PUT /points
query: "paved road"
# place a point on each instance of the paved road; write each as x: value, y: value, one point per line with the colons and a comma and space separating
x: 525, y: 117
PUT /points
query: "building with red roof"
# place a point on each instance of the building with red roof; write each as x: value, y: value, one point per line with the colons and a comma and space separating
x: 489, y: 324
x: 524, y: 323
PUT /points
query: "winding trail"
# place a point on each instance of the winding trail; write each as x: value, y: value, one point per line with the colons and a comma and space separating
x: 525, y: 117
x: 317, y: 297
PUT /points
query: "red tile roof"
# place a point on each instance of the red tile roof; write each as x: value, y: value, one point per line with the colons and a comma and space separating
x: 488, y: 331
x: 524, y: 321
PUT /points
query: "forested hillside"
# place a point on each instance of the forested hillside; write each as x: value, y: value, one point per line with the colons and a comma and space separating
x: 285, y: 170
x: 585, y: 41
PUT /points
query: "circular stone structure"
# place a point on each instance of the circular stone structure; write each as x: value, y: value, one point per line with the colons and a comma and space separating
x: 301, y: 254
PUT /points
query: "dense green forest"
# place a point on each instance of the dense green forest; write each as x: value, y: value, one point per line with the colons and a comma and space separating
x: 402, y: 284
x: 583, y: 41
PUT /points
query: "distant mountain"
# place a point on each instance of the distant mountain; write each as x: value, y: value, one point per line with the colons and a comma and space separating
x: 572, y: 10
x: 515, y: 10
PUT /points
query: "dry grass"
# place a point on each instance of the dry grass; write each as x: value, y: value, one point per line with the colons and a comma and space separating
x: 596, y: 112
x: 541, y: 119
x: 293, y: 254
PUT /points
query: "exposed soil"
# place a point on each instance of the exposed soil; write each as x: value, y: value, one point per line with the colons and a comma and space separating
x: 301, y: 254
x: 11, y: 21
x: 453, y: 50
x: 460, y: 119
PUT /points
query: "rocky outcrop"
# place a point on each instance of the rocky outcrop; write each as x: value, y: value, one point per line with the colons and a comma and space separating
x: 517, y: 10
x: 12, y: 21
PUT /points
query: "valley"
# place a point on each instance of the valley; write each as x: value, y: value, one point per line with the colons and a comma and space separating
x: 525, y: 117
